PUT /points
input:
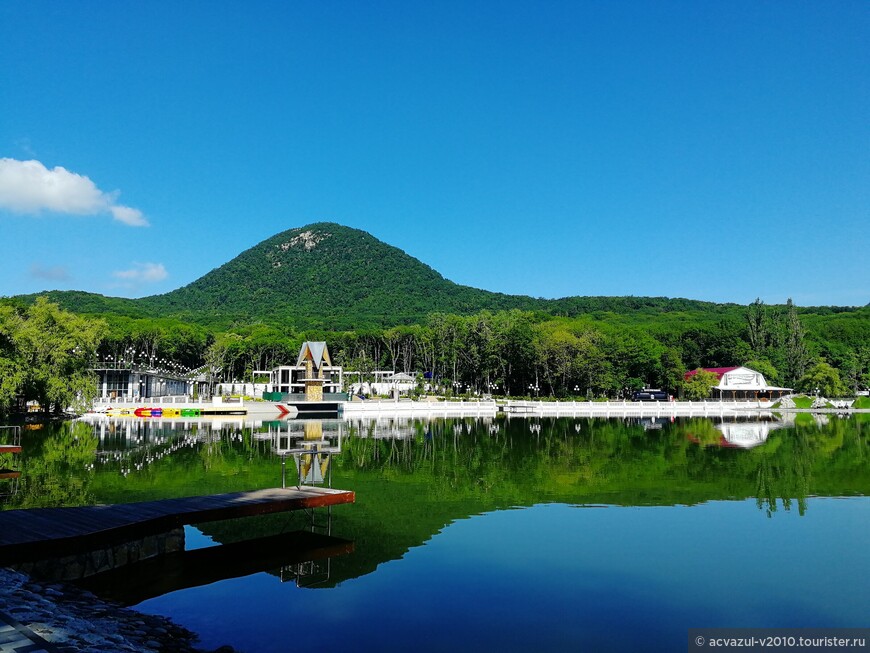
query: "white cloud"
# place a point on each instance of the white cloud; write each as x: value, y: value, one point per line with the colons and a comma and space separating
x: 130, y: 216
x: 29, y: 187
x: 56, y: 273
x: 142, y: 273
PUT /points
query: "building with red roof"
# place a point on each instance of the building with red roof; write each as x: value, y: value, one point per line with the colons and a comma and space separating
x: 741, y: 383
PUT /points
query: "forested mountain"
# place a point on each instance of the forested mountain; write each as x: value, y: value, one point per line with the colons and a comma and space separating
x: 328, y: 276
x: 325, y: 275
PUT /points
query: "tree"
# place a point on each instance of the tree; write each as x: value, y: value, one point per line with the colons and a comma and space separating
x: 699, y: 385
x: 54, y: 355
x: 759, y: 328
x: 825, y: 379
x: 796, y: 354
x: 220, y: 356
x: 672, y: 370
x: 11, y: 375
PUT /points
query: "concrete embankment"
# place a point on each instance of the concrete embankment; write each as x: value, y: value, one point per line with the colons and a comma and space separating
x: 520, y: 408
x: 634, y: 408
x: 374, y: 408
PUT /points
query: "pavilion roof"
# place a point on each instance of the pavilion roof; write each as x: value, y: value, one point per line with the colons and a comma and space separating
x: 316, y: 351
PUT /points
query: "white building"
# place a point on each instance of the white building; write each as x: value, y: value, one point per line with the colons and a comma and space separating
x: 741, y: 383
x: 290, y: 379
x: 126, y: 381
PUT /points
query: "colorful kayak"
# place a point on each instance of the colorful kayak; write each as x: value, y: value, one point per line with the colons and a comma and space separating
x: 148, y: 411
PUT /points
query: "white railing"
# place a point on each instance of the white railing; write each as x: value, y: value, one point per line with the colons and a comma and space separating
x: 421, y: 407
x: 15, y: 435
x: 154, y: 401
x: 630, y: 408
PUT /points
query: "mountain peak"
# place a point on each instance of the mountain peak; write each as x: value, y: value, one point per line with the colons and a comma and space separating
x: 307, y: 240
x: 329, y: 276
x: 325, y: 274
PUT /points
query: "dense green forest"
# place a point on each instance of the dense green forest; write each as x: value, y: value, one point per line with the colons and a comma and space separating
x: 378, y: 308
x: 45, y: 351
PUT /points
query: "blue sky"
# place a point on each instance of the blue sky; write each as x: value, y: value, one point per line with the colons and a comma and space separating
x: 710, y: 150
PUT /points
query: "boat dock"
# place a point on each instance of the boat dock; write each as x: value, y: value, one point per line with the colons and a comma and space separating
x: 27, y: 535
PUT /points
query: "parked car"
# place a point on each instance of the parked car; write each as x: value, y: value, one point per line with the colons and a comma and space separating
x: 650, y: 394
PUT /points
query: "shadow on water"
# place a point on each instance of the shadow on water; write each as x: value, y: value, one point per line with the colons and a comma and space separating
x: 301, y: 556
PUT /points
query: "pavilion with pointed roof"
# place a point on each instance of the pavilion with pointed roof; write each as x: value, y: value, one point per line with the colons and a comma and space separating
x: 313, y: 376
x: 313, y: 356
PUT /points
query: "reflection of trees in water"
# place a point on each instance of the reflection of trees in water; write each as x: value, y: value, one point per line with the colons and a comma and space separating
x: 836, y: 448
x: 488, y: 462
x: 56, y: 466
x: 63, y: 462
x: 569, y: 460
x: 785, y: 474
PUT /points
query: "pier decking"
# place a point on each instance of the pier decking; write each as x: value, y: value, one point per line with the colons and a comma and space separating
x: 33, y: 534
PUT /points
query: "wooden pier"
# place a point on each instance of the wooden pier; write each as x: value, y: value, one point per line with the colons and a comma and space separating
x: 27, y: 535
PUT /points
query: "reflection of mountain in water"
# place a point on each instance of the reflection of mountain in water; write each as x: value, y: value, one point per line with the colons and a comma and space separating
x: 414, y: 476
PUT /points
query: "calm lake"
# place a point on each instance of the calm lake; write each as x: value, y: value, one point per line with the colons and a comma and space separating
x: 494, y: 534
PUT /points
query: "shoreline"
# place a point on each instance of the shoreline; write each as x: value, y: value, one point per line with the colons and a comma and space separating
x: 266, y: 410
x: 70, y: 619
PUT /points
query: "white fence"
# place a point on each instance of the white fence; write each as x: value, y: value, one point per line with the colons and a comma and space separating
x: 632, y: 408
x: 163, y: 401
x: 470, y: 408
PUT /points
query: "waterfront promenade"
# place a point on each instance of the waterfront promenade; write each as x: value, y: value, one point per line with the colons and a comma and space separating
x: 491, y: 407
x: 519, y: 408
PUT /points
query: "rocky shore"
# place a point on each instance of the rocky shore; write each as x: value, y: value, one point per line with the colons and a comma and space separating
x: 76, y: 621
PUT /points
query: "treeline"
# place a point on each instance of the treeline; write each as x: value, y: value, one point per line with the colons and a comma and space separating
x: 46, y: 352
x: 532, y: 353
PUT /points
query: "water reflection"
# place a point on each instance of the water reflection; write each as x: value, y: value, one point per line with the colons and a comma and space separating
x: 746, y: 436
x: 487, y: 463
x: 303, y: 557
x: 417, y: 480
